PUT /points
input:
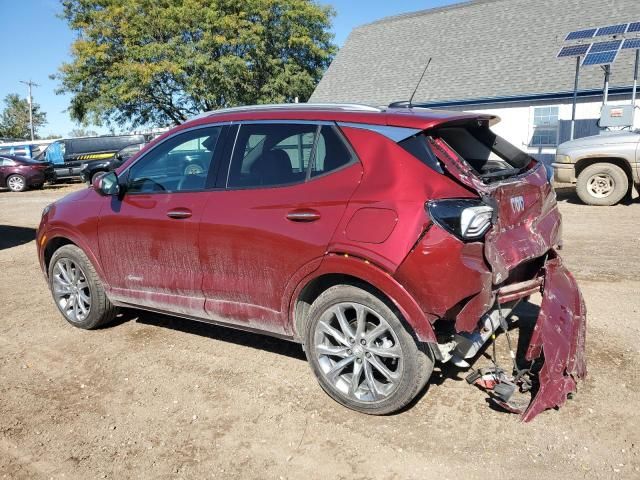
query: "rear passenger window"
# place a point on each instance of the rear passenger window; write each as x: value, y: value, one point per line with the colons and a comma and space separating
x: 331, y: 152
x: 285, y: 154
x: 269, y: 154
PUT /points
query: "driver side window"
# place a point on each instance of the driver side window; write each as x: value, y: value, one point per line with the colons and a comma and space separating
x: 180, y: 164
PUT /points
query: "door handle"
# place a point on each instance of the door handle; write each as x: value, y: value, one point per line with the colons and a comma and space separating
x: 179, y: 214
x: 303, y: 216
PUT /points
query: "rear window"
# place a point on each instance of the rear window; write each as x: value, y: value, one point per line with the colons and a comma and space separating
x: 488, y: 154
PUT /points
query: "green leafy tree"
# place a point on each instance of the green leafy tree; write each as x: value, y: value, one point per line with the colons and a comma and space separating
x: 14, y: 119
x: 138, y: 62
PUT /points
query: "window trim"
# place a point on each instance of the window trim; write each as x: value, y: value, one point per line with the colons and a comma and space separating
x: 210, y: 182
x: 320, y: 123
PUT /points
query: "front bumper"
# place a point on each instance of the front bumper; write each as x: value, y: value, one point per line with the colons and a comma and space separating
x: 564, y: 172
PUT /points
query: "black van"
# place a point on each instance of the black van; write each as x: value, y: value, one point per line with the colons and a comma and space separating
x: 69, y: 155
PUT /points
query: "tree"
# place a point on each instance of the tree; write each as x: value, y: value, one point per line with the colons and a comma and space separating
x: 82, y: 132
x: 14, y: 119
x: 141, y: 62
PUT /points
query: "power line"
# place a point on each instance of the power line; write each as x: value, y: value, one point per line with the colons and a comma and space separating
x: 30, y: 84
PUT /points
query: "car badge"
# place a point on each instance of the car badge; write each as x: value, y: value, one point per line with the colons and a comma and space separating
x: 517, y: 204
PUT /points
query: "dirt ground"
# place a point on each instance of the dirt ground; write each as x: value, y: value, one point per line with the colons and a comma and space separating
x: 160, y: 397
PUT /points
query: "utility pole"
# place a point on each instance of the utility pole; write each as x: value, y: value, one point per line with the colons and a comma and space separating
x: 30, y: 84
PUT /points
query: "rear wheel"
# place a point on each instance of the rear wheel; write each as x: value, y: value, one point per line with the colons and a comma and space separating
x: 602, y: 184
x: 16, y: 183
x: 77, y: 290
x: 361, y: 353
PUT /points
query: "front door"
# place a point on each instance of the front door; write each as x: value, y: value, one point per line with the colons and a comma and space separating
x: 286, y: 190
x: 149, y: 237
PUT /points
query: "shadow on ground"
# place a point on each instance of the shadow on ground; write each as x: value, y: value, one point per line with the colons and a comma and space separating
x: 214, y: 332
x: 12, y: 236
x: 525, y: 317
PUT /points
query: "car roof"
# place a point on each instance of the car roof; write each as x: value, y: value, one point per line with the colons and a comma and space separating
x: 18, y: 158
x: 418, y: 118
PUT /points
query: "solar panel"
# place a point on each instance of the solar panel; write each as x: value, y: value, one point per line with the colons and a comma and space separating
x: 612, y: 29
x: 612, y: 46
x: 580, y: 34
x: 631, y: 43
x: 574, y: 50
x: 634, y: 27
x: 600, y: 58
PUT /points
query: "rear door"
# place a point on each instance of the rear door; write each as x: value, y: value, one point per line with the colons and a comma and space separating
x: 149, y: 238
x: 286, y: 190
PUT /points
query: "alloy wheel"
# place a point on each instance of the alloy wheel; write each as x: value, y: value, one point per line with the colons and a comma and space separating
x: 16, y: 183
x: 358, y: 352
x: 71, y: 290
x: 194, y: 169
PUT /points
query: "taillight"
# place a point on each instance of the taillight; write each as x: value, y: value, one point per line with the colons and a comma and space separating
x: 467, y: 219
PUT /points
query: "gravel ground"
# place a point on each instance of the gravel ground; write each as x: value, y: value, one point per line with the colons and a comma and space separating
x: 160, y: 397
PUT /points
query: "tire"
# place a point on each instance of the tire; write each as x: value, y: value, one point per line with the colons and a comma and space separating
x: 16, y: 183
x: 602, y: 184
x: 71, y: 274
x: 330, y: 351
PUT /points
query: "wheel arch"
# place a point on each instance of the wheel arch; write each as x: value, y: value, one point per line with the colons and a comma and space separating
x: 583, y: 163
x: 59, y: 238
x: 341, y: 269
x: 50, y: 248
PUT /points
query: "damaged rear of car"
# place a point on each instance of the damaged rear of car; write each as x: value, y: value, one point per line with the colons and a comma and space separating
x: 498, y: 249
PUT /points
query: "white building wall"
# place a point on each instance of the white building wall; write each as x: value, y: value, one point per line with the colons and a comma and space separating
x: 516, y: 123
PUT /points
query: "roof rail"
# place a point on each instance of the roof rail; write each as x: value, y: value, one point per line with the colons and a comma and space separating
x: 291, y: 106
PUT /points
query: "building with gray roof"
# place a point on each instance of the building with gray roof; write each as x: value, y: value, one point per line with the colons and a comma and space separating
x: 495, y: 56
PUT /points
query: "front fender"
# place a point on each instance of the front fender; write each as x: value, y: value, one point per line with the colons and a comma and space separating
x: 60, y: 232
x: 367, y: 272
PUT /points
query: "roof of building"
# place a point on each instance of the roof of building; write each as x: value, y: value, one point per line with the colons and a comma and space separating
x: 482, y: 49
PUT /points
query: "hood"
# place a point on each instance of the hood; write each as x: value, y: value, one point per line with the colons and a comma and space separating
x: 604, y: 139
x: 75, y: 196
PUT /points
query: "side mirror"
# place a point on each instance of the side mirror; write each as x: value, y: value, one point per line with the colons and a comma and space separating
x: 107, y: 184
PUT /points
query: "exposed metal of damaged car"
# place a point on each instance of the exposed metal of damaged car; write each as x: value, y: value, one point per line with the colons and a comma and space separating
x: 382, y: 240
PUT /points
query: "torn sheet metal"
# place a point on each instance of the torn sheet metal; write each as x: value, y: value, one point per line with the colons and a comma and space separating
x: 559, y: 336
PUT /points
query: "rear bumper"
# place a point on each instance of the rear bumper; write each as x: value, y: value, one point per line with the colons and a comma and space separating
x: 557, y: 342
x: 559, y: 337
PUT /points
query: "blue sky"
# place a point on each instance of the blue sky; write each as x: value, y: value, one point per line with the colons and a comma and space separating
x: 35, y: 42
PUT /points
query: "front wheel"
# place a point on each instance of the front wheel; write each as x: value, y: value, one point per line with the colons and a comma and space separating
x: 602, y: 184
x: 361, y: 353
x: 77, y: 290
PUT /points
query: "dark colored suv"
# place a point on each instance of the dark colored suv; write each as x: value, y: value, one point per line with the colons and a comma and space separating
x: 383, y: 240
x: 69, y: 155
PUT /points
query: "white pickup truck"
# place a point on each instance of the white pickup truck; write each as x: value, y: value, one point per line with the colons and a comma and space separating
x: 605, y: 168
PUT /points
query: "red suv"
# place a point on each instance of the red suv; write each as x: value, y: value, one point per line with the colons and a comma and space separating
x: 383, y: 240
